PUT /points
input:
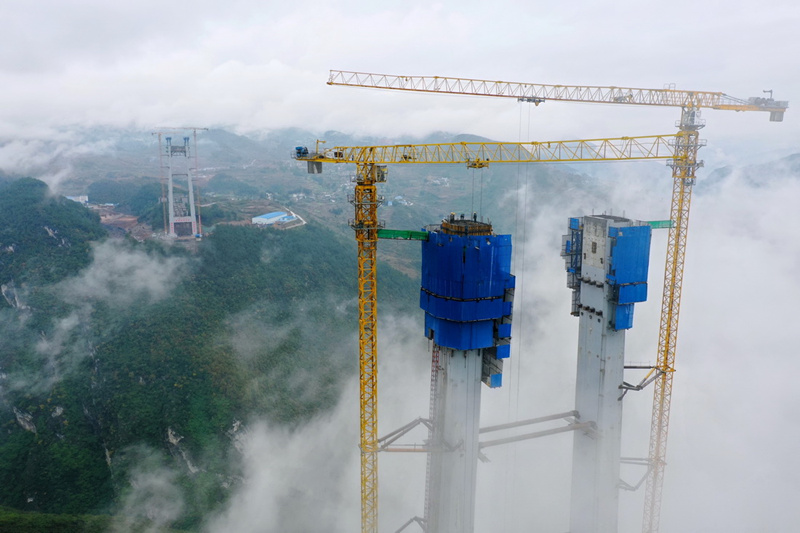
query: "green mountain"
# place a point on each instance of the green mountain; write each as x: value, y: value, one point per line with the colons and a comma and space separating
x: 43, y: 238
x: 116, y: 354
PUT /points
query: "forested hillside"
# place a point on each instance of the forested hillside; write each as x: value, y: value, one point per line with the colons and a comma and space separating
x: 43, y: 238
x: 116, y: 354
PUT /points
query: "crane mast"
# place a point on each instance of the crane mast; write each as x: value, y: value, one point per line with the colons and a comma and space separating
x: 370, y: 170
x: 365, y: 224
x: 684, y: 165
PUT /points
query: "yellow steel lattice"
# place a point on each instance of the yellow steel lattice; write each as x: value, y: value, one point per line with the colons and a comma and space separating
x: 365, y: 224
x: 539, y: 92
x: 612, y: 149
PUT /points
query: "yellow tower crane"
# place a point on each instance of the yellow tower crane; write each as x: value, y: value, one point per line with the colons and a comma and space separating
x: 684, y: 165
x: 371, y: 164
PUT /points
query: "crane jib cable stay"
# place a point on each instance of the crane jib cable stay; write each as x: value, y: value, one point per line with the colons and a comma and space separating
x: 684, y: 166
x: 371, y: 169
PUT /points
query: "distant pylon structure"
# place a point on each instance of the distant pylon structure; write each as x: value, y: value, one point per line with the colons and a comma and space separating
x: 178, y: 161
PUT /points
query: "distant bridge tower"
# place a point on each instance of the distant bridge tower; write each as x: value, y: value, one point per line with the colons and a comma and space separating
x: 607, y: 260
x: 467, y: 293
x: 179, y: 162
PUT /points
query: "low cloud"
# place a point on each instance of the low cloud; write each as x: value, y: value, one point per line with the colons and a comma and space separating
x: 153, y: 499
x: 47, y: 155
x: 301, y: 480
x: 119, y: 277
x: 306, y: 479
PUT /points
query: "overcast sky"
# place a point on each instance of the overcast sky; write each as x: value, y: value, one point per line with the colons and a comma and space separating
x: 253, y: 65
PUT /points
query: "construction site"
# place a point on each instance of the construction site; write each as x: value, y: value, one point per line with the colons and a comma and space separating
x: 467, y: 297
x: 399, y: 267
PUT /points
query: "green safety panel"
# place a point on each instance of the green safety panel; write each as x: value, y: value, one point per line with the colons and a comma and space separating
x: 403, y: 234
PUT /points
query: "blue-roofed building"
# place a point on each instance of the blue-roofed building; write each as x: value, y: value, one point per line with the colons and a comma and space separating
x: 278, y: 220
x: 270, y: 218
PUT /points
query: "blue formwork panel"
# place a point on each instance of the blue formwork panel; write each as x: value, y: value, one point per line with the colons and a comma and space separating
x: 630, y: 254
x: 464, y: 284
x: 623, y: 317
x: 503, y: 351
x: 629, y: 294
x: 496, y: 380
x: 460, y: 335
x: 503, y: 331
x: 468, y: 267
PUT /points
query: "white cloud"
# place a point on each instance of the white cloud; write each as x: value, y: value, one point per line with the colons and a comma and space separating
x: 290, y: 472
x: 49, y: 157
x: 119, y: 276
x: 316, y: 466
x: 153, y: 500
x: 730, y: 448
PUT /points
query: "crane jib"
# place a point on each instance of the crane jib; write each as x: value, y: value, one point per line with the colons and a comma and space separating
x: 537, y: 93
